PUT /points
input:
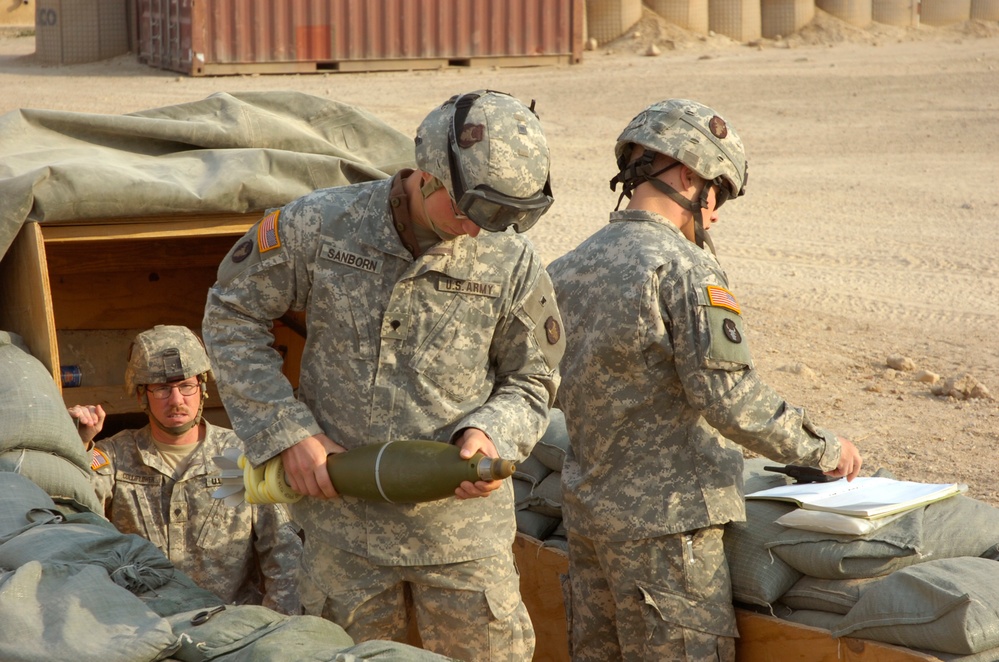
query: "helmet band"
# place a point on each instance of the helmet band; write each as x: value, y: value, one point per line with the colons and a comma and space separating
x: 483, y: 205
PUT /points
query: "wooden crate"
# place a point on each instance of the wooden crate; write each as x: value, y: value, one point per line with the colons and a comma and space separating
x: 78, y: 292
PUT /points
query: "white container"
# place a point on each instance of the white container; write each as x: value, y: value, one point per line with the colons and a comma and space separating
x: 779, y: 18
x: 854, y: 12
x: 903, y: 13
x: 688, y: 14
x: 985, y: 10
x: 737, y: 19
x: 944, y: 12
x: 606, y: 20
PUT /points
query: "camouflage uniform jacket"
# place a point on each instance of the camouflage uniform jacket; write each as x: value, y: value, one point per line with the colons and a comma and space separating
x: 466, y: 335
x: 224, y: 550
x: 657, y: 382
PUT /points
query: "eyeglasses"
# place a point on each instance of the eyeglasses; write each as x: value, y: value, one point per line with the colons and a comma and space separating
x: 485, y: 206
x: 163, y: 391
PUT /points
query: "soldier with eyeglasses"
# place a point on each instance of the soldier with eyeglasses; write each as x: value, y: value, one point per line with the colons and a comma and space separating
x: 157, y: 481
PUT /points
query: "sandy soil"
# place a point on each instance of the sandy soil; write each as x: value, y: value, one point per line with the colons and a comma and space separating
x: 869, y: 235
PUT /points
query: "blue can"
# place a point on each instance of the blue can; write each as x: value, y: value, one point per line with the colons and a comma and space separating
x: 71, y: 376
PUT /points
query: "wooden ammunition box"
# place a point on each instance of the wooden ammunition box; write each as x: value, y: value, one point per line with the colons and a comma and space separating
x: 78, y: 292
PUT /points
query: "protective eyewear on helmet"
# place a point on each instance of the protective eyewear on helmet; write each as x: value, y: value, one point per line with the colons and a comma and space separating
x: 495, y: 212
x: 722, y: 192
x: 485, y: 206
x: 163, y: 391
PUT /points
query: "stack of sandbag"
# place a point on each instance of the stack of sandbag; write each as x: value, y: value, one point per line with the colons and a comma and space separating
x: 537, y: 485
x: 73, y: 588
x: 927, y: 580
x: 37, y: 435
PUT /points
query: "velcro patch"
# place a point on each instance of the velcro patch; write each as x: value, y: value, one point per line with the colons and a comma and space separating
x: 445, y: 284
x: 348, y: 259
x: 719, y: 296
x: 98, y: 459
x: 267, y: 232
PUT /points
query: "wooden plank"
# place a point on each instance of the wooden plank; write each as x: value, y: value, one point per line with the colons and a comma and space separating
x: 149, y: 227
x: 350, y: 66
x: 143, y: 255
x: 514, y: 61
x: 252, y: 68
x: 764, y: 638
x: 132, y: 299
x: 25, y: 299
x: 541, y: 589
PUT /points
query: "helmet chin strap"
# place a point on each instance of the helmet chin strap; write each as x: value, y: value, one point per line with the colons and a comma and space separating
x: 694, y: 207
x: 640, y: 170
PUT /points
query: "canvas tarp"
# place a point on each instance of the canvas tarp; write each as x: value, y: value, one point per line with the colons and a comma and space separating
x: 234, y: 153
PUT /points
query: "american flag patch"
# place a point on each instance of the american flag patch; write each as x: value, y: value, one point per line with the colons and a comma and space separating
x: 719, y: 296
x: 267, y: 232
x: 98, y: 459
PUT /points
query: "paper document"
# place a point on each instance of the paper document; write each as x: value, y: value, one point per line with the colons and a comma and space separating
x: 863, y: 497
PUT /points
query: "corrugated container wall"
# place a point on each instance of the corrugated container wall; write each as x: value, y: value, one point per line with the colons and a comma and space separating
x: 301, y: 36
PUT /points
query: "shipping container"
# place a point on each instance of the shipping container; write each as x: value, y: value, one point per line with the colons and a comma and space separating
x: 227, y: 37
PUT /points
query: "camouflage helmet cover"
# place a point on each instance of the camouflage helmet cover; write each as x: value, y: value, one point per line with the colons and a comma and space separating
x: 165, y: 354
x: 501, y: 145
x: 691, y: 133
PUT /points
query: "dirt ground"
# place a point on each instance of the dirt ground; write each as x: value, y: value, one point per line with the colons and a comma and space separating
x: 869, y: 237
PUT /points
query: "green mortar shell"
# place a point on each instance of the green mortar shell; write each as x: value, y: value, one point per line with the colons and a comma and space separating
x: 409, y: 471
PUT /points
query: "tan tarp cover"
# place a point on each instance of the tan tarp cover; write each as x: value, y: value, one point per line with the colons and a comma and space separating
x: 227, y: 153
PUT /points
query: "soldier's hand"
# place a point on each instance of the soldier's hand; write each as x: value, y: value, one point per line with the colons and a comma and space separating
x: 305, y: 466
x: 849, y: 461
x: 89, y: 421
x: 472, y: 441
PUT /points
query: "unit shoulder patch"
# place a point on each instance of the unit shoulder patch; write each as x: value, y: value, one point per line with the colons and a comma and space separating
x: 722, y: 298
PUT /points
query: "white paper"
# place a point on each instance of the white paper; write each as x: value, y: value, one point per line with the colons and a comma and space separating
x: 866, y: 496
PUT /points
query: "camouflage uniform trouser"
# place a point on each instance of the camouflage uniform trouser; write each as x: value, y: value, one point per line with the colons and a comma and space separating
x: 666, y: 599
x: 467, y: 611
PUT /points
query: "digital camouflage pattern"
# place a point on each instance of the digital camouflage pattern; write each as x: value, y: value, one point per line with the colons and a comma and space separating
x: 676, y: 608
x: 164, y: 354
x: 224, y: 550
x: 501, y: 144
x: 658, y: 387
x: 478, y: 613
x: 657, y: 384
x: 398, y: 348
x: 691, y: 133
x: 466, y: 335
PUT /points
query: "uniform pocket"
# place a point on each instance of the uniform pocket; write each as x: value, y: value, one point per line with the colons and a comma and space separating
x: 455, y: 353
x: 665, y: 611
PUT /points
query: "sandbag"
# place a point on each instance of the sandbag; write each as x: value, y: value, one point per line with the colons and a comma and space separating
x: 32, y: 412
x: 67, y: 484
x: 22, y: 504
x: 554, y: 444
x: 923, y: 534
x: 131, y: 561
x: 74, y: 612
x: 237, y: 632
x: 949, y: 605
x: 833, y: 595
x: 758, y: 577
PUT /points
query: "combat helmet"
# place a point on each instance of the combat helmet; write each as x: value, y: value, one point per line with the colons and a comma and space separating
x: 166, y: 354
x: 692, y: 134
x: 488, y: 151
